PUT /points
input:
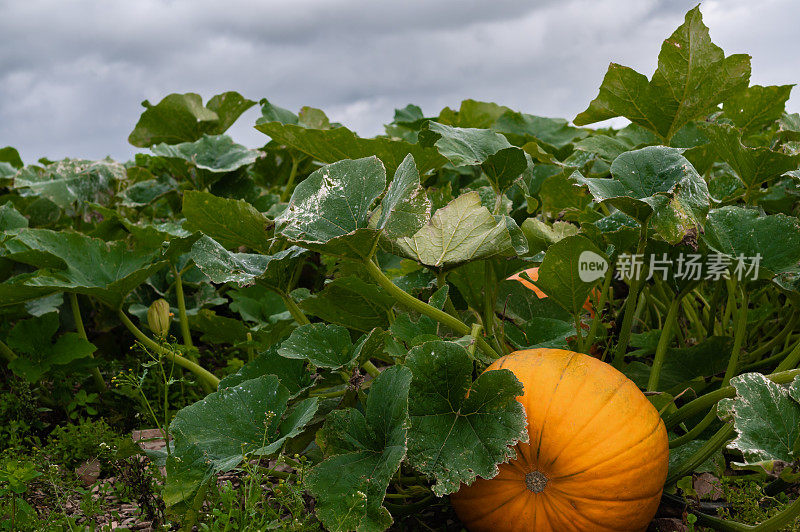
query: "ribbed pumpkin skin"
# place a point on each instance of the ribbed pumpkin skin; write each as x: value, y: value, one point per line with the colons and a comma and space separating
x: 593, y: 434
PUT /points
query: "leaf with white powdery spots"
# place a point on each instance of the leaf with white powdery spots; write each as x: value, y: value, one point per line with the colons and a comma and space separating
x: 766, y: 417
x: 460, y: 429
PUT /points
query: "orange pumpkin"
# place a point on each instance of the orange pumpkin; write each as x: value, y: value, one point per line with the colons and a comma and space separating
x: 533, y: 273
x: 596, y: 459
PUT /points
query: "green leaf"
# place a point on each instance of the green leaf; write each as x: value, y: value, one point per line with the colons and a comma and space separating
x: 182, y: 118
x: 218, y: 329
x: 505, y: 166
x: 766, y: 418
x: 405, y: 207
x: 145, y: 192
x: 71, y: 182
x: 540, y: 235
x: 350, y: 302
x: 551, y: 133
x: 292, y: 373
x: 753, y: 166
x: 692, y: 78
x: 462, y: 231
x: 658, y: 184
x: 332, y: 145
x: 464, y: 146
x: 32, y: 341
x: 14, y: 291
x: 222, y: 266
x: 542, y: 333
x: 214, y: 153
x: 558, y: 194
x: 324, y: 345
x: 329, y: 210
x: 571, y: 268
x: 756, y: 107
x: 256, y: 422
x: 84, y: 265
x: 737, y: 231
x: 11, y: 219
x: 11, y: 156
x: 228, y: 106
x: 460, y: 429
x: 230, y: 222
x: 363, y: 453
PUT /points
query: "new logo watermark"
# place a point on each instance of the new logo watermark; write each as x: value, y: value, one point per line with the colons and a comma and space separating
x: 591, y: 266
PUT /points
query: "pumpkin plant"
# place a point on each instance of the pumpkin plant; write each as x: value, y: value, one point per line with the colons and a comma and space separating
x: 482, y: 314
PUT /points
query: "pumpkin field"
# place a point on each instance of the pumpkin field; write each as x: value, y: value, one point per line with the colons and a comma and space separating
x: 481, y: 320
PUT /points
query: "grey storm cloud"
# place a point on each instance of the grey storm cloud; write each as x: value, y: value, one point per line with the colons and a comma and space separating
x: 73, y: 74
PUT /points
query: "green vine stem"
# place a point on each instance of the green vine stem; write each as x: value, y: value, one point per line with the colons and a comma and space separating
x: 738, y: 336
x: 775, y: 340
x: 702, y: 454
x: 184, y: 321
x: 791, y: 360
x: 411, y: 302
x: 630, y: 305
x: 598, y: 310
x: 294, y: 310
x: 441, y: 282
x: 695, y: 431
x: 205, y: 376
x: 370, y: 368
x: 76, y: 314
x: 664, y: 340
x: 7, y: 353
x: 287, y: 190
x: 776, y: 358
x: 708, y: 400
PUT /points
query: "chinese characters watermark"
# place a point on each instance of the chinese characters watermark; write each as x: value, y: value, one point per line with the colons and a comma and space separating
x: 687, y: 266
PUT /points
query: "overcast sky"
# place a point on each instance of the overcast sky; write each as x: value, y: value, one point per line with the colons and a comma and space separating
x: 74, y: 73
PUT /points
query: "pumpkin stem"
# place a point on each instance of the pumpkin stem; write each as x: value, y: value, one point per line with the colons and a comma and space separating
x: 535, y: 481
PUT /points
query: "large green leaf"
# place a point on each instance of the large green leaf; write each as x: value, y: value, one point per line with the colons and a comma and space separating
x: 571, y: 268
x: 214, y: 153
x: 230, y: 222
x: 460, y: 232
x: 32, y: 341
x: 78, y: 263
x: 222, y: 266
x: 753, y: 166
x: 460, y: 429
x: 292, y: 373
x: 463, y: 146
x: 249, y: 419
x: 182, y: 118
x: 655, y: 184
x: 737, y: 231
x: 324, y: 345
x: 363, y: 450
x: 692, y: 78
x: 329, y: 210
x: 71, y: 181
x: 766, y: 417
x: 756, y: 107
x: 405, y: 207
x: 332, y: 145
